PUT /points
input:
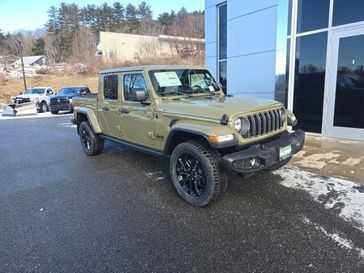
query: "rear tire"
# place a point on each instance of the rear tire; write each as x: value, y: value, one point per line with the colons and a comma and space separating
x: 91, y: 143
x: 195, y: 173
x: 54, y: 112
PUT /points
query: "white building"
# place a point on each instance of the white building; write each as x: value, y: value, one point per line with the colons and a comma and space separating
x: 308, y: 54
x: 125, y: 47
x: 31, y: 61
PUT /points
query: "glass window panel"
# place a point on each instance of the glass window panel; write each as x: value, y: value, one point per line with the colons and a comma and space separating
x: 310, y: 81
x: 223, y: 75
x: 111, y: 87
x: 282, y: 74
x: 348, y: 11
x: 222, y: 31
x: 349, y: 99
x: 289, y: 17
x: 312, y: 15
x: 133, y: 81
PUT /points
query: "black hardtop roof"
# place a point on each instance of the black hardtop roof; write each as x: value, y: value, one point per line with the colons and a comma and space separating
x: 147, y: 67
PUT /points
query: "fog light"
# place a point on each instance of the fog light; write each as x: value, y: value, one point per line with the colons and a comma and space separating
x: 252, y: 162
x: 246, y: 164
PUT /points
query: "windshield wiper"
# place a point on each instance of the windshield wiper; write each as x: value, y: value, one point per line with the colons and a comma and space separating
x: 174, y: 93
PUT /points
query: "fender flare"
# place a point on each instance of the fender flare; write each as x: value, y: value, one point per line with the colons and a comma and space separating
x: 91, y: 117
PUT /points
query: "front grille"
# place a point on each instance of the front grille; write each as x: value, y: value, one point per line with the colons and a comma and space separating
x: 61, y: 100
x: 264, y: 123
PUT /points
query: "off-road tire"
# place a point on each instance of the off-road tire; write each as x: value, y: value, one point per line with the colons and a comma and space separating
x: 91, y: 143
x: 54, y: 112
x: 210, y: 161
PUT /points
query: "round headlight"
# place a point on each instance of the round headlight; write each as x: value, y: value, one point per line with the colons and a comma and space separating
x: 237, y: 124
x: 283, y: 115
x: 245, y: 127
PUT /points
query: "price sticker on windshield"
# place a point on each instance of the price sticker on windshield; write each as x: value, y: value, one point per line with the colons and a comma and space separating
x: 167, y: 79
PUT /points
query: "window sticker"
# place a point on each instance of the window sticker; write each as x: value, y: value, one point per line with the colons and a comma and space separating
x: 167, y: 79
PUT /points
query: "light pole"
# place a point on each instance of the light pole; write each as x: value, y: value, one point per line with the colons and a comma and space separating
x: 22, y: 64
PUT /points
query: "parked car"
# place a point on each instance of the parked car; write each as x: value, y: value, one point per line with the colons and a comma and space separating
x: 62, y: 101
x: 182, y: 113
x: 39, y: 95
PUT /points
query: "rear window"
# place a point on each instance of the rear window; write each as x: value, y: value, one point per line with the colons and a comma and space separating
x: 111, y: 87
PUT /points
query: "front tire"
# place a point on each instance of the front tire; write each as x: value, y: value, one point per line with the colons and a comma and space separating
x: 91, y: 144
x: 195, y: 173
x: 43, y: 107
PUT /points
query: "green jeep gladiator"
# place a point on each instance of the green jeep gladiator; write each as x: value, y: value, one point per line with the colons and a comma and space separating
x: 181, y: 112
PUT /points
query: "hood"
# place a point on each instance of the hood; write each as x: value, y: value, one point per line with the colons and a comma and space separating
x: 68, y: 96
x: 28, y: 95
x: 214, y: 108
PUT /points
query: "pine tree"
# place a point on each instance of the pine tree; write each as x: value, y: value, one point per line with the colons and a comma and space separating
x: 131, y: 15
x: 145, y: 11
x: 39, y: 47
x: 118, y: 16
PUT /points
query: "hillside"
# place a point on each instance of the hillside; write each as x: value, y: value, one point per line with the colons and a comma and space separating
x: 12, y: 87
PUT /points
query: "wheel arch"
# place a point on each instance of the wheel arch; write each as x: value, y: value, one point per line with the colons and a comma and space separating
x: 179, y: 135
x: 85, y: 114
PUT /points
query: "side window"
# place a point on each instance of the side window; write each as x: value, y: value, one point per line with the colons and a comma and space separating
x: 49, y: 92
x: 133, y: 81
x: 111, y: 87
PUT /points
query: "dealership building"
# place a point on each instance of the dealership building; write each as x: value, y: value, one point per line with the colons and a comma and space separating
x: 307, y: 54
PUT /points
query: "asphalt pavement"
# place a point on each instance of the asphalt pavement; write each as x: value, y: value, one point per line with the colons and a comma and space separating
x: 61, y: 211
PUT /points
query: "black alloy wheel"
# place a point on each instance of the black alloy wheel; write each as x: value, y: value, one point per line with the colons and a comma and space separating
x: 91, y: 143
x: 190, y: 175
x: 85, y: 140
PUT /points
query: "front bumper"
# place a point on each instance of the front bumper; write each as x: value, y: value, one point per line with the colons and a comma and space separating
x: 60, y: 107
x: 262, y: 156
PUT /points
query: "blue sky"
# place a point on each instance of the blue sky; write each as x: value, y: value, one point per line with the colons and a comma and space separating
x: 32, y: 14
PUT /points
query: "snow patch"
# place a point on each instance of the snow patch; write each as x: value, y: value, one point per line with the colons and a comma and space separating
x: 340, y: 240
x: 342, y: 195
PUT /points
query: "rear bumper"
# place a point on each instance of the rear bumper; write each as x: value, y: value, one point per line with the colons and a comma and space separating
x: 262, y: 156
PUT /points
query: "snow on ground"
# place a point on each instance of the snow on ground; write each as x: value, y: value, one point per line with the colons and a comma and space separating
x: 339, y: 239
x: 345, y: 196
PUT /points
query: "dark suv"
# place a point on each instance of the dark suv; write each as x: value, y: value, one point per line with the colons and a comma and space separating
x: 62, y: 101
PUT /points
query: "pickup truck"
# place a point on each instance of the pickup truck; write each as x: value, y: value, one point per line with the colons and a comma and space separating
x: 38, y: 95
x: 182, y: 113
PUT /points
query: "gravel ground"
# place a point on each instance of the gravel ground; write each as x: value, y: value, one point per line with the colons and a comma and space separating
x: 62, y: 211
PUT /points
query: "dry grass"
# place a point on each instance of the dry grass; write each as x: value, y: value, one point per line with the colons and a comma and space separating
x: 12, y: 87
x: 57, y: 79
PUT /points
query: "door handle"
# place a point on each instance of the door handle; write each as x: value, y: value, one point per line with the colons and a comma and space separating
x: 124, y: 111
x: 105, y: 108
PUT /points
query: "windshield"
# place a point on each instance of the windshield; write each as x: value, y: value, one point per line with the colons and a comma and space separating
x: 183, y: 81
x: 34, y: 91
x: 69, y: 91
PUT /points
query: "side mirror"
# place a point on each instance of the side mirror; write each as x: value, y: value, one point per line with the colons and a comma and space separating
x: 138, y: 94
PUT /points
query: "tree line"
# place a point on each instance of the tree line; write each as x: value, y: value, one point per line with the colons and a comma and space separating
x: 72, y: 31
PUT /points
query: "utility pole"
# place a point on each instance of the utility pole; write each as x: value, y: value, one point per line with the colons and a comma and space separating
x: 22, y: 64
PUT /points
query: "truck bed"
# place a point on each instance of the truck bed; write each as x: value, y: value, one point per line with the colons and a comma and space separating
x: 86, y: 100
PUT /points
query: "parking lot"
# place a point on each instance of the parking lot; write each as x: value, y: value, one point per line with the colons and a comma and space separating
x: 62, y: 211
